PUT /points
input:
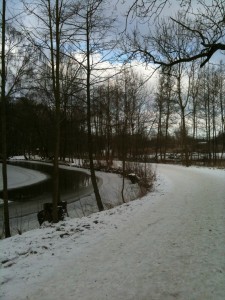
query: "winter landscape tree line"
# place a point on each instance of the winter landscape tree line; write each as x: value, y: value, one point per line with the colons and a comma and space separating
x: 153, y: 121
x: 68, y: 89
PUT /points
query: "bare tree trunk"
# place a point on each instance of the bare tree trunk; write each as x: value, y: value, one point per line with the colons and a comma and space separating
x: 3, y: 115
x: 124, y: 152
x: 55, y: 63
x: 159, y: 131
x: 209, y: 127
x: 183, y: 123
x: 184, y: 137
x: 124, y: 135
x: 108, y: 129
x: 222, y: 109
x: 88, y: 93
x: 167, y: 123
x: 123, y: 174
x: 56, y: 191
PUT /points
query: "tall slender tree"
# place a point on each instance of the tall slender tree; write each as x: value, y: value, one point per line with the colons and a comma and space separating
x: 91, y: 9
x: 4, y: 126
x: 52, y: 36
x: 93, y: 46
x: 17, y: 57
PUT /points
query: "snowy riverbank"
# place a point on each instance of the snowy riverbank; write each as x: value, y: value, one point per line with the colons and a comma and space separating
x: 23, y: 216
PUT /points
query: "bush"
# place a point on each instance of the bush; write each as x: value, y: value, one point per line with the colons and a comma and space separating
x: 146, y: 176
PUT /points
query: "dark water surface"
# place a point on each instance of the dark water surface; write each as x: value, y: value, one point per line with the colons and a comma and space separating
x: 26, y: 202
x: 71, y: 183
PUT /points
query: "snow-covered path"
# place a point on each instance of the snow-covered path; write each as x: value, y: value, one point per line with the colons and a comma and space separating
x: 168, y: 245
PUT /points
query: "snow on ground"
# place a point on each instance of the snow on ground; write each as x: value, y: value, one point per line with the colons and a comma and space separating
x: 168, y: 245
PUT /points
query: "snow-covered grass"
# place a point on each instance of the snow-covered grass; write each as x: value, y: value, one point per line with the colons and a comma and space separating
x: 167, y: 245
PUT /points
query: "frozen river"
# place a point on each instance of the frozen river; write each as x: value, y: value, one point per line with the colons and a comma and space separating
x: 29, y: 188
x: 18, y: 176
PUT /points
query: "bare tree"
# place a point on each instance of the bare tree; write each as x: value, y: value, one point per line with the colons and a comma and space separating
x: 202, y: 25
x: 211, y: 111
x: 3, y: 123
x: 17, y: 57
x: 51, y: 35
x: 162, y: 110
x: 91, y: 10
x: 182, y: 102
x: 92, y: 47
x: 222, y: 104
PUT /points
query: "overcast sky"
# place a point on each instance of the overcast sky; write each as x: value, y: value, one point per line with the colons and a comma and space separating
x: 120, y: 8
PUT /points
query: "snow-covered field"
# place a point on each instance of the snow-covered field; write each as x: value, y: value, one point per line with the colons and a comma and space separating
x: 168, y: 245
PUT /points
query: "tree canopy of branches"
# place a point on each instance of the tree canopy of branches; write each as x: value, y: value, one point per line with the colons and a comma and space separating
x: 201, y: 24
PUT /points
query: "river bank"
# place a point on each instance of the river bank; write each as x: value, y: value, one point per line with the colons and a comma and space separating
x: 23, y: 216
